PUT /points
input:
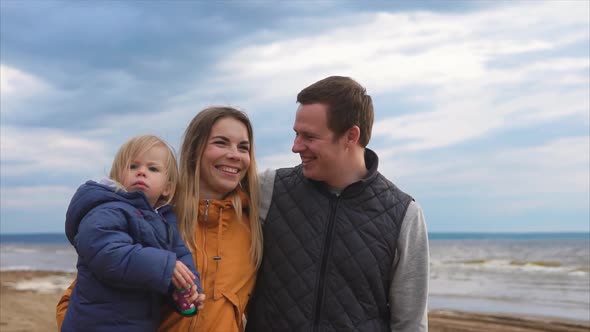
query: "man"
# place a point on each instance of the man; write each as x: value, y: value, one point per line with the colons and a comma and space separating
x: 344, y: 248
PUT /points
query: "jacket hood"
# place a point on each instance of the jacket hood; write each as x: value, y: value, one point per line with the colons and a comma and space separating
x: 92, y: 194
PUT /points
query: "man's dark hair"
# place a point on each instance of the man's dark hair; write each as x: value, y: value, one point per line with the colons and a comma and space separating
x: 347, y: 102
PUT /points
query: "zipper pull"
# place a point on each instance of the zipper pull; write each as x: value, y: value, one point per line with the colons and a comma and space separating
x: 206, y: 210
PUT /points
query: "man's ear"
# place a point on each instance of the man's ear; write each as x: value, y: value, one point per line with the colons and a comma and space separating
x: 353, y: 134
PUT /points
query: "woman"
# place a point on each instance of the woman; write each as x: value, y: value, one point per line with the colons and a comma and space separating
x: 217, y: 209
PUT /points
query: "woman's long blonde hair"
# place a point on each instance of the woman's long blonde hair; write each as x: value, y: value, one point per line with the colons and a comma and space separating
x: 187, y: 205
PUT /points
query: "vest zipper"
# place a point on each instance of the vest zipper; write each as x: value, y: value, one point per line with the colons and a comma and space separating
x: 325, y: 257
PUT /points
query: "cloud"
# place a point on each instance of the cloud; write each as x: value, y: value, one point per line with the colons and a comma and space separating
x: 18, y: 88
x: 552, y: 175
x: 464, y: 75
x: 448, y: 85
x: 37, y: 197
x: 470, y: 112
x: 15, y: 83
x: 387, y: 51
x: 275, y: 161
x: 519, y: 179
x: 49, y: 151
x: 106, y: 60
x: 558, y: 166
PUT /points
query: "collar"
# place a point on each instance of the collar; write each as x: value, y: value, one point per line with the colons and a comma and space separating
x: 371, y: 162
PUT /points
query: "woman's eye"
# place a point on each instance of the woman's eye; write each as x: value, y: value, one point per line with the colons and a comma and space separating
x: 244, y: 148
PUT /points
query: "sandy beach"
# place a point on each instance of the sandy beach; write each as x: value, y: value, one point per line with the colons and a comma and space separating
x: 25, y: 310
x: 28, y: 305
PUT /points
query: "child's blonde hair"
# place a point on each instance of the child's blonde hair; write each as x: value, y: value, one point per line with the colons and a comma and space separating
x: 135, y: 147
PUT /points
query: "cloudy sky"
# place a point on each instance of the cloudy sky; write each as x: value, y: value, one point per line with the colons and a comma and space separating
x: 482, y: 108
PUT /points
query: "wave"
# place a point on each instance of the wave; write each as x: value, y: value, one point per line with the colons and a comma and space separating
x: 46, y: 284
x: 536, y: 263
x: 34, y: 269
x: 516, y: 263
x: 20, y: 250
x: 513, y: 265
x: 508, y: 298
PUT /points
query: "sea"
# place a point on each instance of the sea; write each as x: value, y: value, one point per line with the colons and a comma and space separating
x: 526, y: 274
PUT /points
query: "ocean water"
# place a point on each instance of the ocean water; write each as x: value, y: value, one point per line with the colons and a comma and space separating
x: 527, y: 274
x: 37, y: 252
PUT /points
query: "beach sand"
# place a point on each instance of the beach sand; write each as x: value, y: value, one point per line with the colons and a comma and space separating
x: 27, y: 310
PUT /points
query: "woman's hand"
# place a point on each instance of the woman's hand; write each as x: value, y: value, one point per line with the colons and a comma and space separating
x: 196, y: 299
x: 183, y: 277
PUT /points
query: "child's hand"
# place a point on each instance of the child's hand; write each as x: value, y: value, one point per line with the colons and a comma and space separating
x: 182, y: 276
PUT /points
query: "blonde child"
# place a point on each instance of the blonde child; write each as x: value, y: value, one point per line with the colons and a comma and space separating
x: 130, y: 255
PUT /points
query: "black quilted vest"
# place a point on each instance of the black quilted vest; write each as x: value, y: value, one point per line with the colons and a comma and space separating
x: 327, y: 259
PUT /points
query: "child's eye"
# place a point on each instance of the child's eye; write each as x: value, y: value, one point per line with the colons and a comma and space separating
x: 153, y: 169
x: 132, y: 166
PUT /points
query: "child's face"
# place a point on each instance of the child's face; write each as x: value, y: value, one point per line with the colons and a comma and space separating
x: 148, y: 173
x: 226, y: 158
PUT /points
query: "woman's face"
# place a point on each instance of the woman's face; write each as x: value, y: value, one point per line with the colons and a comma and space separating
x: 225, y: 159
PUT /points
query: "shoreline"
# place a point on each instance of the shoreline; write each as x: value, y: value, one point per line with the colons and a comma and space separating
x: 463, y: 321
x: 28, y: 299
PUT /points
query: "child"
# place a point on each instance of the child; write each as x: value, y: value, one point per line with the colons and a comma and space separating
x: 130, y: 254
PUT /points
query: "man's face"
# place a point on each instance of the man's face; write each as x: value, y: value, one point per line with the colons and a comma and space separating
x: 322, y: 157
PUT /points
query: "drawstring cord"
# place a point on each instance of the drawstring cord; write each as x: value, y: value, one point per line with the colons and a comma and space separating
x: 217, y: 258
x: 219, y: 234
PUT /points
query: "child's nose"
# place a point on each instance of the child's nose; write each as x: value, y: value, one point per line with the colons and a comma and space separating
x: 141, y: 170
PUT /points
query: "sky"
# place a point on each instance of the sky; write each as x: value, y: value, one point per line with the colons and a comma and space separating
x: 481, y: 108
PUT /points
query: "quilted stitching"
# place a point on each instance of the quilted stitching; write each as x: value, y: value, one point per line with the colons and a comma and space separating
x: 362, y: 250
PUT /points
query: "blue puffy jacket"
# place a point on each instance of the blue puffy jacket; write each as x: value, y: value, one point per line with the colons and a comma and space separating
x: 126, y: 257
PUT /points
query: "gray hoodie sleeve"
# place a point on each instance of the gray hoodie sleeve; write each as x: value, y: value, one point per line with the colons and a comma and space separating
x: 408, y: 294
x: 266, y: 181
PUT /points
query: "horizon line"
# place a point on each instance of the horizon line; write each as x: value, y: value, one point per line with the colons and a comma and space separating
x: 429, y: 232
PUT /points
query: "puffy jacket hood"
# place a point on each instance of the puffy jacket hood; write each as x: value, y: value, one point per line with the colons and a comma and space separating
x: 92, y: 194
